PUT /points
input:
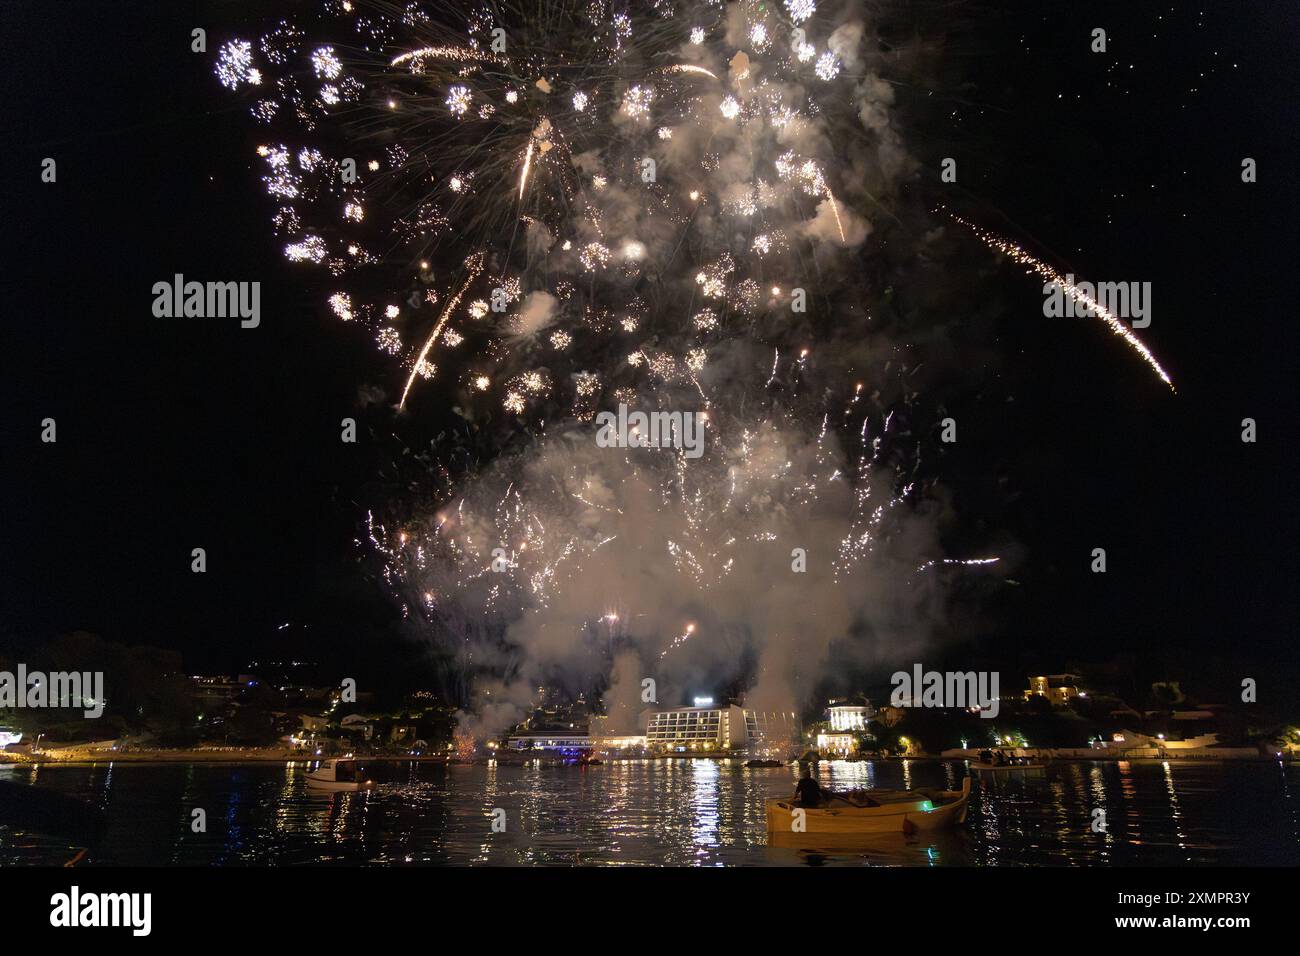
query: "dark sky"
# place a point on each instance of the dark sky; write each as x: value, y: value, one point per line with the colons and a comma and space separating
x: 174, y: 435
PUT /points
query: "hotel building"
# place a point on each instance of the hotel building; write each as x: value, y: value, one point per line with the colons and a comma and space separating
x: 713, y: 729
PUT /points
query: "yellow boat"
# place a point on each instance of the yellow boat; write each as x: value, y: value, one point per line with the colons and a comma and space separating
x: 885, y: 811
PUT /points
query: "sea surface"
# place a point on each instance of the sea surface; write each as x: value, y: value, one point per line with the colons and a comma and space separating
x: 664, y: 812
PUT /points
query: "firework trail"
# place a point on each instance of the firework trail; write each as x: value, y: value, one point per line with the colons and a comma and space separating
x: 1072, y: 290
x: 473, y: 266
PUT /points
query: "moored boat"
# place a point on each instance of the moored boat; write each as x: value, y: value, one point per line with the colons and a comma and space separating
x: 880, y: 811
x: 339, y: 776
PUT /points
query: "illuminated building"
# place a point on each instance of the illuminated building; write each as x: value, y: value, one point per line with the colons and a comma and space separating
x: 718, y: 729
x: 1060, y: 689
x: 837, y: 744
x: 695, y: 728
x: 849, y: 717
x: 624, y: 740
x: 549, y: 740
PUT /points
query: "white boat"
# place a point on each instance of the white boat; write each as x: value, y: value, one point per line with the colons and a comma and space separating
x: 339, y: 775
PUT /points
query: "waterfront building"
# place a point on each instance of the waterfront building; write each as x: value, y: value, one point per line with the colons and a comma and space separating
x: 617, y: 736
x: 719, y: 729
x: 628, y: 744
x: 695, y: 729
x: 837, y: 745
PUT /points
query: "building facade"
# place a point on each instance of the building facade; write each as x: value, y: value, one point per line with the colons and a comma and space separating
x: 718, y: 729
x: 849, y: 717
x: 837, y: 744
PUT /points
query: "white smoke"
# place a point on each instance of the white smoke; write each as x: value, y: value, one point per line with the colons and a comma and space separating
x: 536, y: 313
x: 640, y: 565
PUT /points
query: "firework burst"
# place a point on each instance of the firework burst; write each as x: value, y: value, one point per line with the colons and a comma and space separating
x: 542, y: 214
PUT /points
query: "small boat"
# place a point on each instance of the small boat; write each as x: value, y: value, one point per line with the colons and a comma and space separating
x: 764, y: 763
x: 882, y: 811
x: 339, y: 776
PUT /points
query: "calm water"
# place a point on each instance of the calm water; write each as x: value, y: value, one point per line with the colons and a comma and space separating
x: 666, y: 812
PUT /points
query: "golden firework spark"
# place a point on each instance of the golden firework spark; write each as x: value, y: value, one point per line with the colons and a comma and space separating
x: 1072, y: 290
x: 473, y: 266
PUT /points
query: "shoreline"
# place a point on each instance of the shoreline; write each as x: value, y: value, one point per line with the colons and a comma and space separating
x: 81, y: 758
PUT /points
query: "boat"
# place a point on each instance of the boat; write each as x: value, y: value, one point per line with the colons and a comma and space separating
x: 880, y: 811
x: 764, y: 763
x: 344, y: 776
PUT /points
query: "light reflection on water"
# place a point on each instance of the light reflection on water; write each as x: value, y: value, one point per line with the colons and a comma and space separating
x: 678, y: 812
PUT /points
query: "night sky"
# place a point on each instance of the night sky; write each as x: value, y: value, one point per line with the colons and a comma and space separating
x: 1122, y: 166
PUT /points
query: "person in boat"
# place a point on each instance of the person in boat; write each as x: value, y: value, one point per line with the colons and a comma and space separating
x: 808, y: 792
